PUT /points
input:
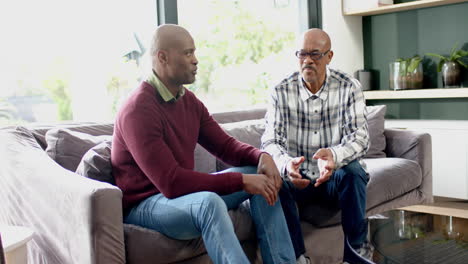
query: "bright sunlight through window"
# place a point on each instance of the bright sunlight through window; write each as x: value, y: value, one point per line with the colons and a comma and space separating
x: 70, y: 60
x: 65, y: 60
x: 244, y: 47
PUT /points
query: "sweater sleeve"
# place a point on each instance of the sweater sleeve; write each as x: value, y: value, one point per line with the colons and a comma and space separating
x: 142, y: 130
x: 225, y: 147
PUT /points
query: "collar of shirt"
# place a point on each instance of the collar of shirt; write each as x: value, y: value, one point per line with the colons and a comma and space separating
x: 166, y: 95
x: 306, y: 94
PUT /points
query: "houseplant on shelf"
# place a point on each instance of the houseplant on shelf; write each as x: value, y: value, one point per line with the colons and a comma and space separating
x: 450, y: 66
x: 406, y: 74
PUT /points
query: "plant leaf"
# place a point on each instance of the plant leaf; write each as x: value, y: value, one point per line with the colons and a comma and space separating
x: 453, y: 50
x: 462, y: 53
x: 439, y: 66
x: 462, y: 63
x: 403, y: 66
x: 414, y: 63
x: 437, y: 56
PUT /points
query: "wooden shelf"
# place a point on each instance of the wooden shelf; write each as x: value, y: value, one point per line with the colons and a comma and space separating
x: 442, y: 206
x: 417, y: 94
x: 402, y: 7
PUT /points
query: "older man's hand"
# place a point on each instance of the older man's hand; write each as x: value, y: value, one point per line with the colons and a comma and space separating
x: 294, y: 175
x: 326, y: 165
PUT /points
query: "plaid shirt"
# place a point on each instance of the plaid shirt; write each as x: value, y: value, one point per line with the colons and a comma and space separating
x: 298, y: 123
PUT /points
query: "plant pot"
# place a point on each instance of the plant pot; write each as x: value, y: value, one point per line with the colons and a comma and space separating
x: 401, y: 79
x: 451, y: 74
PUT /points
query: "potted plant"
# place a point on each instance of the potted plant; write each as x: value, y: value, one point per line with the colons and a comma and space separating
x: 406, y: 73
x: 450, y: 66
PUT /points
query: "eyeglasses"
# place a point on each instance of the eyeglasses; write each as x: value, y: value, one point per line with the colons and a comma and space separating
x: 313, y: 55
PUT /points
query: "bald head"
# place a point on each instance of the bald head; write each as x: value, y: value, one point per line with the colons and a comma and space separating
x: 173, y: 56
x: 317, y: 38
x: 168, y: 36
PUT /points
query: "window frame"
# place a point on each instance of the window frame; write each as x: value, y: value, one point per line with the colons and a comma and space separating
x: 310, y: 13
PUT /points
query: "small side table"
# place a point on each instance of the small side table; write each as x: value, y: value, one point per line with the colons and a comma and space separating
x: 14, y: 240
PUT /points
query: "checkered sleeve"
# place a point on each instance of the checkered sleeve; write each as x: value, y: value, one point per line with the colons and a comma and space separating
x: 355, y: 140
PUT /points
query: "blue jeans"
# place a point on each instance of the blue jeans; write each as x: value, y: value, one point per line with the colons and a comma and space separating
x: 205, y: 214
x: 346, y: 189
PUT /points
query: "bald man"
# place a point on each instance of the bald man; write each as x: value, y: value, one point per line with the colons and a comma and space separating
x: 155, y: 135
x: 316, y: 131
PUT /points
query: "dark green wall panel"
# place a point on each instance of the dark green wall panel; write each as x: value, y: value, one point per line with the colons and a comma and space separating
x: 416, y: 32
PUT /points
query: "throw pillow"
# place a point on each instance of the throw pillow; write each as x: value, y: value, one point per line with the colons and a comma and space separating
x: 67, y: 147
x: 376, y: 124
x: 96, y: 163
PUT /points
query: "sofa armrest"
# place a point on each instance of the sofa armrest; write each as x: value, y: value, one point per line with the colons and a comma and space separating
x: 74, y: 219
x: 416, y: 146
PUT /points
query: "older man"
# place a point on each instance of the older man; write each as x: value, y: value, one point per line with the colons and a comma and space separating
x: 316, y: 129
x: 155, y: 134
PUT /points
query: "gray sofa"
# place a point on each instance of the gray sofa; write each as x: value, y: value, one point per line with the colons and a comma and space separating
x: 79, y: 220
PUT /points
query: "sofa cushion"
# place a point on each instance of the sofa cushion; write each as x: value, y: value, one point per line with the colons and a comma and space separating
x: 376, y: 126
x: 391, y: 178
x: 67, y: 147
x: 248, y: 131
x: 96, y: 163
x: 385, y: 184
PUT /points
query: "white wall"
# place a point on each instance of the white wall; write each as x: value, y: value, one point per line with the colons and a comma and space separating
x: 346, y: 36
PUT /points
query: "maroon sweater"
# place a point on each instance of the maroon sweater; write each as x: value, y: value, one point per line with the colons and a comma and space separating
x: 154, y: 142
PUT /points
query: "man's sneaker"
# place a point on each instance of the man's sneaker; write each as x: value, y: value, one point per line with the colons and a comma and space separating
x: 362, y: 255
x: 366, y: 251
x: 303, y: 260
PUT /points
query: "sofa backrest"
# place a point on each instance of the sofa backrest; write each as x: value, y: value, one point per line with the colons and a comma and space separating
x: 98, y: 129
x: 241, y: 115
x: 204, y: 161
x: 248, y: 127
x: 245, y: 125
x: 94, y: 129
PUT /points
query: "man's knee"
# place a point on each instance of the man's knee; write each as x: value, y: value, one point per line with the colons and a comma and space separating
x: 211, y: 201
x: 353, y: 171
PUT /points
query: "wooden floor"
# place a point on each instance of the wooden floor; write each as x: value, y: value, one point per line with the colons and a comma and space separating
x: 443, y: 206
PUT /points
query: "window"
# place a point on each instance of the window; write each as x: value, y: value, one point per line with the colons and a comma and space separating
x: 64, y: 60
x: 71, y: 60
x: 244, y: 48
